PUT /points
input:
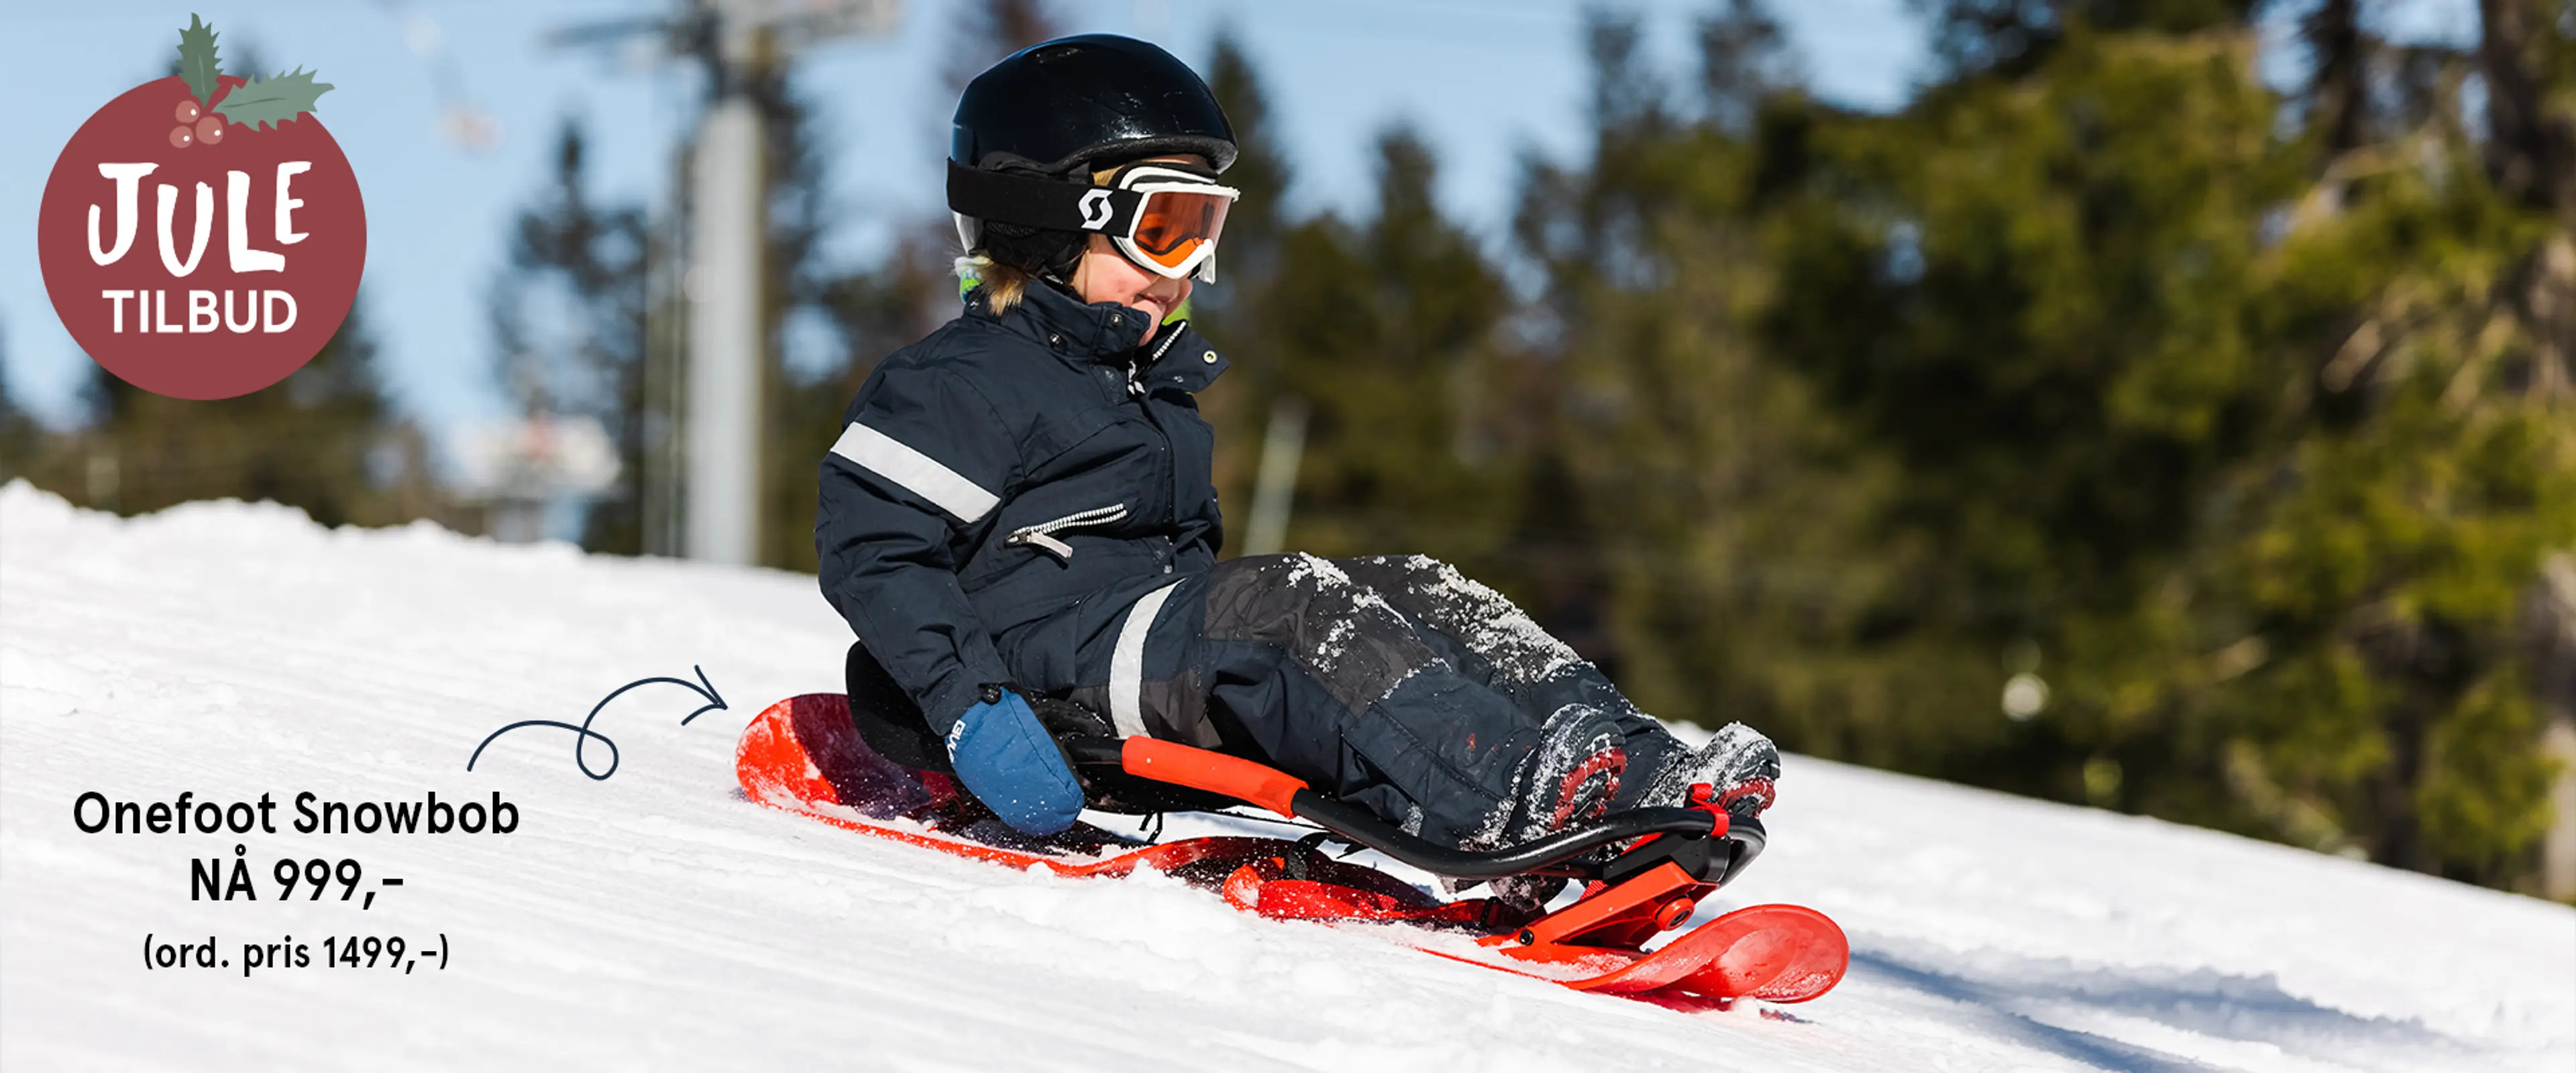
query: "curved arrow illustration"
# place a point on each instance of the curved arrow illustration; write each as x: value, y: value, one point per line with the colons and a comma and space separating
x: 582, y: 733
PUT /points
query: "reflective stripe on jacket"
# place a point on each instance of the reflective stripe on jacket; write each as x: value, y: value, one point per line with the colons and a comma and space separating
x: 1003, y: 489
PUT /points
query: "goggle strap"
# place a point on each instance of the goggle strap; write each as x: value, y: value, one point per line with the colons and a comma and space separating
x: 1043, y: 203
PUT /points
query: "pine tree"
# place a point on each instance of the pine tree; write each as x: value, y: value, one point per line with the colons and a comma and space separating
x: 324, y: 440
x: 2015, y: 37
x: 1386, y: 328
x: 2241, y: 435
x: 568, y: 318
x: 1695, y: 522
x: 872, y: 311
x: 2033, y: 290
x: 799, y: 422
x: 1231, y: 312
x: 22, y: 439
x: 2424, y: 474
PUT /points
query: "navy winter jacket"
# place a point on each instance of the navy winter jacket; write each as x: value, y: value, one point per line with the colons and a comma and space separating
x: 1003, y: 489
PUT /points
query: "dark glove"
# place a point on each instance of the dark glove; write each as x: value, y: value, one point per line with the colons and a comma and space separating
x: 1008, y: 762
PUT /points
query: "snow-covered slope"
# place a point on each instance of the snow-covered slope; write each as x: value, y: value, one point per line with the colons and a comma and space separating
x: 656, y: 920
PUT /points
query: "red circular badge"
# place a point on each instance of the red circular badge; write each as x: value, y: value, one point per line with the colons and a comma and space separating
x: 199, y: 248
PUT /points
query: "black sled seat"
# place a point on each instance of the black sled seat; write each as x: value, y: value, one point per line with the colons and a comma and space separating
x: 888, y: 720
x: 1142, y: 775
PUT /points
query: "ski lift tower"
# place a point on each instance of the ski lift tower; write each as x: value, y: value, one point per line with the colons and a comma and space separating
x: 720, y: 420
x: 738, y: 42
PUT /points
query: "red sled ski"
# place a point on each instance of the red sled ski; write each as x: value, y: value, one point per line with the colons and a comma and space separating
x: 807, y: 755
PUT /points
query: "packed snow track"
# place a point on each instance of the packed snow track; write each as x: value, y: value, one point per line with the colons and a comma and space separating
x: 656, y: 920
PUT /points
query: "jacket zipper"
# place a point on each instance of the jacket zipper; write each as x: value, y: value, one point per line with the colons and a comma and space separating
x: 1042, y: 535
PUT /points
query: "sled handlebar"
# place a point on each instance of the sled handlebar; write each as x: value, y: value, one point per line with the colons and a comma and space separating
x: 1287, y: 795
x: 1200, y: 769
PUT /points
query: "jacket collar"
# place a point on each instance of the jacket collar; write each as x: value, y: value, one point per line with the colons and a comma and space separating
x: 1102, y: 331
x: 1105, y: 332
x: 1180, y: 357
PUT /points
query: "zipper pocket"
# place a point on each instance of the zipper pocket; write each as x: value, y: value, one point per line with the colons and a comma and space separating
x: 1042, y: 535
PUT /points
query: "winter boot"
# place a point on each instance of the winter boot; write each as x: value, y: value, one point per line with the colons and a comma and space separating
x: 1739, y: 764
x: 1571, y: 775
x: 1569, y: 778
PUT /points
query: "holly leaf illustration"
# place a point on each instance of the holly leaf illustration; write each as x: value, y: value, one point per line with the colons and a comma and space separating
x: 197, y: 62
x: 272, y: 100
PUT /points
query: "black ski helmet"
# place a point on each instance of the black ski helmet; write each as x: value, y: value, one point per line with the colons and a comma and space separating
x: 1060, y: 109
x: 1065, y: 106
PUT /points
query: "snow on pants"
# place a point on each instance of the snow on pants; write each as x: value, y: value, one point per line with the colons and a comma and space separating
x: 1390, y: 682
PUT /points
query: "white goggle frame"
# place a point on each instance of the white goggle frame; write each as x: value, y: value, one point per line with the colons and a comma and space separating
x: 1146, y: 180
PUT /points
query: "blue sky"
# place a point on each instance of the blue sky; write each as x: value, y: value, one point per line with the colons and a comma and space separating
x: 1484, y: 80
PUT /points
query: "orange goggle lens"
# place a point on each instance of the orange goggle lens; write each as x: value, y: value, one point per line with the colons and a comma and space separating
x: 1172, y: 225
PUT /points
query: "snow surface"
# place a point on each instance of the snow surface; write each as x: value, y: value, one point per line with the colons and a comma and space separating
x: 656, y: 920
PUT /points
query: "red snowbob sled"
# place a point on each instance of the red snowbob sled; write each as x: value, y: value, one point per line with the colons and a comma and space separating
x: 865, y: 768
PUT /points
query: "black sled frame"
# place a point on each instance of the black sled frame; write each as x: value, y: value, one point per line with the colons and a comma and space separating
x: 1143, y: 775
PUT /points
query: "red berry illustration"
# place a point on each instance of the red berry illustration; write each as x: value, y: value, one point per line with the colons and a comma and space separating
x: 210, y: 129
x: 182, y: 137
x: 188, y: 111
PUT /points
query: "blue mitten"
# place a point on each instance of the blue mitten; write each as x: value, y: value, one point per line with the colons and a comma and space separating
x: 1006, y: 759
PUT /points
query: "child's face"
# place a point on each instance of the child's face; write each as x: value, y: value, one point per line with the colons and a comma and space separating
x: 1106, y: 275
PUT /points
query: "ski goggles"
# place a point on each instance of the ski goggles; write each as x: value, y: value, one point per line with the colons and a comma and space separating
x: 1179, y: 215
x: 1164, y: 217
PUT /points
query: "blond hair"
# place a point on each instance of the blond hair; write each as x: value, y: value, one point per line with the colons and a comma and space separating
x: 1002, y: 284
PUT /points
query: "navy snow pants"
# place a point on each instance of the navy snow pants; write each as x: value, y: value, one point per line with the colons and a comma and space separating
x: 1390, y: 682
